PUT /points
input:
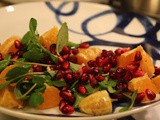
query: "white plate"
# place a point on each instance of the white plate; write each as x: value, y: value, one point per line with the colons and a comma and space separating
x: 88, y: 22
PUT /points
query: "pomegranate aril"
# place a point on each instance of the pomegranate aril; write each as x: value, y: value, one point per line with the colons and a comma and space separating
x: 72, y: 59
x: 60, y: 74
x: 18, y: 44
x: 140, y: 96
x: 106, y: 68
x: 92, y: 63
x: 150, y: 94
x: 68, y: 71
x: 53, y: 48
x: 96, y: 70
x: 65, y: 65
x: 126, y: 49
x: 120, y: 72
x: 67, y: 96
x: 138, y: 56
x: 86, y: 69
x: 62, y: 103
x: 67, y: 109
x: 99, y: 61
x: 113, y: 61
x: 157, y: 70
x: 14, y: 57
x: 84, y: 45
x: 112, y: 75
x: 118, y: 51
x: 65, y: 50
x: 68, y: 78
x: 60, y: 59
x: 76, y: 76
x: 81, y: 89
x: 99, y: 78
x: 75, y: 51
x: 93, y: 81
x: 128, y: 76
x: 138, y: 73
x: 84, y: 78
x: 37, y: 68
x: 20, y: 53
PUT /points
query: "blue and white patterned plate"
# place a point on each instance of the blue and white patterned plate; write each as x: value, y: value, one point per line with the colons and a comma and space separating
x: 96, y: 24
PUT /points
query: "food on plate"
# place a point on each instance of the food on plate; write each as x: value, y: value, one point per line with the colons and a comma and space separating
x: 47, y: 71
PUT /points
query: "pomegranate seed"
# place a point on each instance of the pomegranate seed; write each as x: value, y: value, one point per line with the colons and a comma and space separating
x: 96, y: 70
x: 104, y: 53
x: 53, y: 48
x: 37, y: 68
x: 68, y: 71
x: 106, y: 68
x: 113, y: 61
x: 72, y: 59
x: 1, y: 58
x: 157, y: 70
x: 118, y: 51
x: 15, y: 57
x: 67, y: 109
x: 119, y: 86
x: 118, y: 95
x: 126, y: 49
x: 86, y: 69
x: 120, y: 72
x: 65, y: 65
x: 65, y: 57
x: 65, y: 50
x: 131, y: 67
x: 65, y: 88
x: 75, y: 51
x: 92, y: 81
x: 140, y: 96
x: 84, y: 45
x: 20, y: 53
x: 58, y: 67
x: 62, y: 103
x: 67, y: 96
x: 68, y: 78
x: 138, y: 73
x: 60, y: 59
x: 81, y: 89
x: 128, y: 76
x: 112, y: 75
x: 99, y: 78
x: 138, y: 56
x: 92, y: 63
x: 60, y: 74
x: 150, y: 94
x: 99, y: 61
x: 18, y: 44
x: 84, y: 78
x: 76, y: 76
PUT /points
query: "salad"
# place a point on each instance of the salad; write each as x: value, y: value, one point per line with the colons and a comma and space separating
x: 46, y: 71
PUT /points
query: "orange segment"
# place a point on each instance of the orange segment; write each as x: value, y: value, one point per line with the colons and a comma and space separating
x: 156, y: 81
x: 8, y: 46
x: 85, y: 55
x: 49, y: 37
x: 141, y: 84
x: 146, y: 63
x: 51, y: 98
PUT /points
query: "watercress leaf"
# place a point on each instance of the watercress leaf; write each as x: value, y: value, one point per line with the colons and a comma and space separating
x: 40, y: 89
x: 79, y: 98
x: 35, y: 99
x: 125, y: 108
x: 54, y: 58
x: 62, y: 38
x: 110, y: 89
x: 17, y: 91
x: 75, y: 67
x: 33, y: 55
x: 39, y: 80
x: 51, y: 73
x: 72, y: 44
x: 58, y: 83
x: 18, y: 70
x: 4, y: 63
x: 112, y: 83
x: 90, y: 89
x: 33, y: 25
x: 26, y: 38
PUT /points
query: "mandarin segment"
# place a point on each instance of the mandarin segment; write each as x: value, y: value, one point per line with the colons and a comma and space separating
x: 51, y: 98
x: 141, y: 84
x: 146, y: 63
x: 85, y: 55
x: 156, y: 81
x: 49, y: 37
x: 8, y: 46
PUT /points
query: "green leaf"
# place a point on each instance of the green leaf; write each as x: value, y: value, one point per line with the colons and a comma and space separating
x: 58, y: 83
x: 90, y: 89
x: 75, y: 67
x: 79, y: 98
x: 71, y: 44
x: 18, y: 70
x: 62, y: 38
x: 40, y: 89
x: 33, y: 55
x: 26, y: 38
x: 39, y: 80
x: 35, y: 99
x: 51, y: 73
x: 33, y: 25
x: 124, y: 109
x: 4, y: 63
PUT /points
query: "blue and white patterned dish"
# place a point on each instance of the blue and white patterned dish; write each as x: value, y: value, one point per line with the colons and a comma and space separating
x: 93, y: 23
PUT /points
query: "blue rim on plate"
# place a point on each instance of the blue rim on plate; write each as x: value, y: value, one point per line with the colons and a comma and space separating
x: 98, y: 25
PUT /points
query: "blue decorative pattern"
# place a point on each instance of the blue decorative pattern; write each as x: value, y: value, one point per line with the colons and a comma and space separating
x: 149, y: 43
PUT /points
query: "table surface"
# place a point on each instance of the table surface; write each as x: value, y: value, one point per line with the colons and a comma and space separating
x: 150, y: 114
